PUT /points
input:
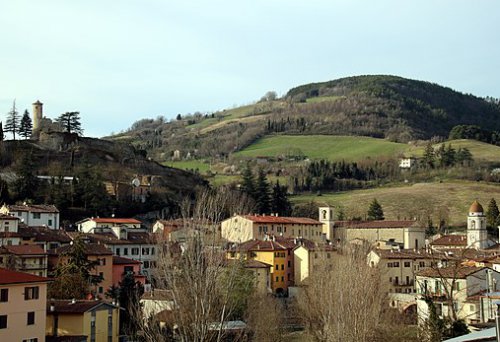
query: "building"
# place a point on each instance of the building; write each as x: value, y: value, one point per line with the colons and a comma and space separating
x: 34, y: 215
x: 24, y: 258
x: 9, y: 235
x: 101, y: 257
x: 82, y: 320
x: 22, y: 306
x: 477, y: 235
x: 242, y: 228
x: 43, y: 237
x: 456, y: 288
x: 123, y: 266
x: 455, y: 241
x: 37, y: 115
x: 99, y: 225
x: 275, y: 252
x: 310, y: 258
x: 407, y: 163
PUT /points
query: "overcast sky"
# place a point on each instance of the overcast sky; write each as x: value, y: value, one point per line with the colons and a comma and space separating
x: 120, y: 61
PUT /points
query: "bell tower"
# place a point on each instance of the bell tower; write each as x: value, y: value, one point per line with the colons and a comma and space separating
x: 326, y: 217
x: 37, y: 114
x: 477, y: 235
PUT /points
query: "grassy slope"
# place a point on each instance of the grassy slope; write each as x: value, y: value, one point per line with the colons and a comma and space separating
x: 323, y: 147
x: 408, y: 201
x: 480, y: 151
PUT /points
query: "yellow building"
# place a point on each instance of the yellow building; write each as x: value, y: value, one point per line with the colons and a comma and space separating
x: 242, y: 228
x: 95, y: 320
x: 310, y: 258
x: 22, y: 306
x: 24, y: 258
x: 277, y: 253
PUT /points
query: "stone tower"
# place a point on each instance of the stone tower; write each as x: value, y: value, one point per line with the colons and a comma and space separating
x: 326, y: 217
x: 477, y: 235
x: 37, y: 114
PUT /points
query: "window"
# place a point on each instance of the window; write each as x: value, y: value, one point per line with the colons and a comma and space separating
x: 101, y: 275
x: 36, y: 215
x: 396, y: 264
x: 146, y: 264
x: 31, y: 318
x: 4, y: 295
x: 421, y: 263
x: 31, y: 340
x: 277, y: 279
x: 135, y: 251
x: 289, y: 263
x: 3, y: 321
x: 101, y: 289
x: 389, y: 264
x: 128, y: 269
x: 125, y: 251
x: 118, y: 251
x: 50, y: 222
x: 282, y: 267
x: 152, y: 251
x: 282, y: 278
x: 31, y: 293
x: 277, y: 267
x: 102, y: 261
x: 407, y: 264
x: 145, y: 251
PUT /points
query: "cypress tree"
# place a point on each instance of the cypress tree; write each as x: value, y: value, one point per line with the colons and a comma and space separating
x: 248, y: 184
x: 492, y: 215
x: 280, y: 202
x: 27, y: 183
x: 26, y: 126
x: 1, y: 131
x: 375, y: 211
x: 262, y: 194
x: 12, y: 122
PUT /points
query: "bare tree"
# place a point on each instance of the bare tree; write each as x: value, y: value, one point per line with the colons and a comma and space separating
x: 342, y: 302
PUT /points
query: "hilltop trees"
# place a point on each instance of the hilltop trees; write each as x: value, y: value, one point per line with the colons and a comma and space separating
x: 279, y: 200
x: 26, y: 184
x: 375, y: 211
x: 26, y: 126
x: 1, y: 131
x: 70, y: 122
x: 12, y: 122
x: 492, y: 216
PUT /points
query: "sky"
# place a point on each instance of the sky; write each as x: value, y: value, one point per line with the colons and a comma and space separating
x: 120, y: 61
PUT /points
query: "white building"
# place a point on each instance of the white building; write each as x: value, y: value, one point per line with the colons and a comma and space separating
x: 9, y: 234
x: 34, y: 215
x: 477, y: 235
x: 407, y: 163
x: 91, y: 225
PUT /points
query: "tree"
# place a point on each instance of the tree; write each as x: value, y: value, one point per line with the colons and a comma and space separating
x: 4, y: 191
x: 375, y: 211
x: 262, y: 194
x: 26, y: 126
x: 179, y: 117
x: 343, y: 312
x: 26, y: 184
x: 280, y: 204
x: 269, y: 96
x: 128, y: 294
x: 1, y: 131
x: 492, y: 214
x: 429, y: 156
x: 248, y: 183
x: 70, y: 122
x: 12, y: 122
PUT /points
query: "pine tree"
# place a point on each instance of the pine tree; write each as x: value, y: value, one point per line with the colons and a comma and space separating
x: 429, y: 156
x: 12, y: 122
x: 492, y: 215
x: 280, y: 203
x: 248, y: 184
x: 262, y: 194
x: 26, y: 126
x: 375, y: 211
x: 70, y: 122
x: 1, y: 131
x: 26, y: 183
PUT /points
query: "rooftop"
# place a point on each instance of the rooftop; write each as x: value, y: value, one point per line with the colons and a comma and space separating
x: 34, y: 208
x: 25, y: 250
x: 451, y: 240
x: 381, y: 224
x: 89, y: 249
x: 113, y: 220
x: 458, y: 272
x: 281, y: 220
x: 8, y: 277
x: 44, y: 234
x: 118, y: 260
x: 75, y: 307
x: 8, y: 217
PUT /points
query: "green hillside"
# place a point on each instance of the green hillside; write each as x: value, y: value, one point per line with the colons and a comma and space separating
x: 480, y: 151
x: 323, y: 147
x: 450, y: 199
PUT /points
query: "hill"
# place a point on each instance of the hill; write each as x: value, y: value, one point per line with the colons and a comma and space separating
x: 389, y: 107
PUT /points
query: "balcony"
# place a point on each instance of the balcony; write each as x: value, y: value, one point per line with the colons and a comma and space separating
x: 29, y: 266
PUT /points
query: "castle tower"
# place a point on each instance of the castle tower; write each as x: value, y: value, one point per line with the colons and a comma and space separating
x: 477, y: 235
x: 37, y: 114
x: 326, y: 217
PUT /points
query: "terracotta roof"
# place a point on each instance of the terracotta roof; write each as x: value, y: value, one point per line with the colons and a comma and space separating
x: 476, y: 207
x: 259, y: 245
x: 8, y: 217
x: 281, y: 220
x: 89, y: 249
x: 459, y: 272
x: 44, y: 234
x: 118, y: 260
x: 78, y: 307
x: 115, y: 220
x: 34, y: 208
x: 251, y: 263
x: 451, y: 240
x: 25, y: 250
x: 408, y: 254
x: 111, y: 239
x: 381, y: 224
x: 14, y: 277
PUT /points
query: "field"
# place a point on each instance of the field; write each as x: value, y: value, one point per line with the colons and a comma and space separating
x: 189, y: 165
x: 322, y: 99
x: 323, y: 147
x: 480, y: 151
x: 450, y: 199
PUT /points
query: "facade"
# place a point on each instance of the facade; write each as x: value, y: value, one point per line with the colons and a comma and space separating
x: 275, y: 252
x: 122, y: 266
x: 43, y: 237
x: 310, y: 258
x: 9, y: 234
x: 456, y: 241
x: 34, y: 215
x: 460, y: 286
x: 102, y: 258
x: 97, y: 225
x: 407, y: 163
x: 22, y: 306
x: 24, y: 258
x: 37, y: 114
x: 477, y: 235
x: 89, y: 319
x: 242, y: 228
x: 262, y: 275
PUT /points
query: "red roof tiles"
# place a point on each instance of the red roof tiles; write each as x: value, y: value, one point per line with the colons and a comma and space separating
x: 12, y: 277
x: 34, y: 208
x: 281, y: 220
x: 118, y: 260
x: 25, y: 250
x: 451, y: 240
x: 382, y: 224
x: 116, y: 220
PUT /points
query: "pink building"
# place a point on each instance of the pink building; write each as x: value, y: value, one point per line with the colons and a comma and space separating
x: 122, y: 266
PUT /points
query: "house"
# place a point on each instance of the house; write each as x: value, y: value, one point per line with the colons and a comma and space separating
x: 91, y: 225
x: 123, y: 266
x: 24, y: 258
x: 101, y: 256
x: 22, y: 306
x: 9, y: 234
x: 242, y: 228
x: 180, y: 230
x: 407, y: 163
x: 275, y: 252
x: 82, y: 320
x: 43, y: 237
x: 261, y: 273
x: 457, y: 288
x: 34, y: 214
x: 310, y: 258
x: 453, y: 241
